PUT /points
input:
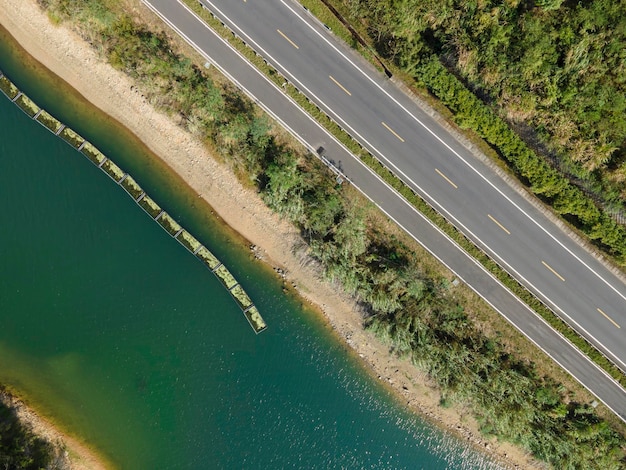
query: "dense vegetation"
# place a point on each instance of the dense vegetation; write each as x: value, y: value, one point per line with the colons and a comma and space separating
x: 411, y: 309
x: 323, y: 10
x: 555, y: 70
x: 20, y: 449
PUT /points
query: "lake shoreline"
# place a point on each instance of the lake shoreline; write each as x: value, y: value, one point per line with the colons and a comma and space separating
x: 71, y: 58
x: 79, y: 454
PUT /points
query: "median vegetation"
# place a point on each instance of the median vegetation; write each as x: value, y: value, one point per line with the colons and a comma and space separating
x: 415, y: 310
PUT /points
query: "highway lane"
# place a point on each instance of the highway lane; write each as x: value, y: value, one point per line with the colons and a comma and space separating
x: 278, y: 105
x: 439, y: 168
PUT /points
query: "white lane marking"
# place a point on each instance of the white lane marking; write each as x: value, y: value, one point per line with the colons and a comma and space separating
x: 454, y: 152
x: 358, y: 160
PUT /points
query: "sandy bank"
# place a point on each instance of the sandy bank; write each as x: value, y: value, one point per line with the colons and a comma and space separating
x: 66, y: 55
x: 77, y: 453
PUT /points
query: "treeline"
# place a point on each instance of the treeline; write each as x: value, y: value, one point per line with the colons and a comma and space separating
x: 20, y: 448
x: 557, y: 67
x: 408, y: 307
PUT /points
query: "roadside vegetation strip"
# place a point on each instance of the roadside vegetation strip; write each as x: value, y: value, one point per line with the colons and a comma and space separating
x: 582, y: 189
x: 569, y: 105
x: 330, y: 21
x: 417, y: 201
x: 407, y: 297
x: 132, y: 188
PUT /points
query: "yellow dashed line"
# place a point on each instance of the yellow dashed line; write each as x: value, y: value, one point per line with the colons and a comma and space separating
x: 609, y: 318
x: 498, y: 224
x: 392, y: 131
x: 340, y: 85
x: 553, y: 271
x: 290, y: 41
x: 446, y: 178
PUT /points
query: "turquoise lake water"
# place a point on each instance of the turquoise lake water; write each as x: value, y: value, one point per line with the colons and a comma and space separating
x: 121, y: 336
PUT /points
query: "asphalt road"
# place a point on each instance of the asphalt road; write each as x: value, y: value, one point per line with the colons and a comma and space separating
x: 435, y: 165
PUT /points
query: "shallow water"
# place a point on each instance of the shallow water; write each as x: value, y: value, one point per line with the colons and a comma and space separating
x: 121, y: 336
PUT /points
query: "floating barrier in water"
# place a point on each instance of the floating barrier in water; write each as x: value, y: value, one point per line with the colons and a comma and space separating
x: 150, y: 207
x: 26, y: 104
x: 7, y: 87
x: 49, y: 122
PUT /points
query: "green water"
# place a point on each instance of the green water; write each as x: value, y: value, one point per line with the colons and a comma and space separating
x: 121, y: 336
